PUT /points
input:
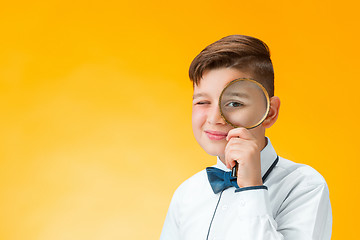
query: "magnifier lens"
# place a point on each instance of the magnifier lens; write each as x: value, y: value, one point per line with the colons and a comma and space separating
x: 244, y: 103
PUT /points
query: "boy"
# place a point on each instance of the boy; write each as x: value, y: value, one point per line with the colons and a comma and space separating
x: 271, y: 198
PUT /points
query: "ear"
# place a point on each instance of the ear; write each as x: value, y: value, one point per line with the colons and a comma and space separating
x: 273, y: 112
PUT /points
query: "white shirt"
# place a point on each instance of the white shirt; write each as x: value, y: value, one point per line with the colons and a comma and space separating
x: 296, y: 206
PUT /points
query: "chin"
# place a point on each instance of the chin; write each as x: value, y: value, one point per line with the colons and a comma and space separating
x: 214, y: 150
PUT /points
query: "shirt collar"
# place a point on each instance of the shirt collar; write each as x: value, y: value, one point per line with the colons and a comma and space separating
x: 267, y: 156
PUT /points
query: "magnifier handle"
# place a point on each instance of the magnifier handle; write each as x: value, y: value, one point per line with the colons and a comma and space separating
x: 234, y: 170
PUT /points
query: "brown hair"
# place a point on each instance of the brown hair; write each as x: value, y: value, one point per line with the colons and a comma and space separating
x: 241, y: 52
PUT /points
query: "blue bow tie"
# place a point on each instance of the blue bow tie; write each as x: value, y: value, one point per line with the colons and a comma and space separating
x: 220, y: 180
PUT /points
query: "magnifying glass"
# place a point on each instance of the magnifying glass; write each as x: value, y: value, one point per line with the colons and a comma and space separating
x: 244, y: 103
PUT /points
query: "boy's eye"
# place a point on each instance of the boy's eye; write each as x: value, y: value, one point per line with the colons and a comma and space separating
x: 201, y: 103
x: 234, y: 104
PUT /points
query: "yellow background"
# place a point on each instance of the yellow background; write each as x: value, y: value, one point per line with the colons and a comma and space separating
x: 96, y: 105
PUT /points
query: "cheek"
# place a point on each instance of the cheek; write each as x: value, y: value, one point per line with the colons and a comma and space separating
x: 198, y: 117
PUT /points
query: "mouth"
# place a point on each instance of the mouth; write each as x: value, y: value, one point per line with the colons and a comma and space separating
x: 215, y: 135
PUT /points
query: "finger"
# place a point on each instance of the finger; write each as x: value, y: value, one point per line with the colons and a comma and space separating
x: 240, y: 145
x: 235, y: 146
x: 233, y: 154
x: 230, y: 161
x: 238, y: 150
x: 240, y: 133
x: 236, y: 141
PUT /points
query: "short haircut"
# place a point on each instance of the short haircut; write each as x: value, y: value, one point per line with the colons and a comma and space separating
x: 245, y: 53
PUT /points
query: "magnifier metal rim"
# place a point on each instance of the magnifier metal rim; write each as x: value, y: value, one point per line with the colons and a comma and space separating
x: 263, y: 89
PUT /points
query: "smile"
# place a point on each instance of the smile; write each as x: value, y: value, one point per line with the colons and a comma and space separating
x: 216, y: 135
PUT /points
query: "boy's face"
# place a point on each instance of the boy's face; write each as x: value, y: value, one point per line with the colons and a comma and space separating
x: 210, y: 129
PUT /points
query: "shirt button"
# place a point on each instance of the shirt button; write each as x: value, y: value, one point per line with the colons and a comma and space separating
x: 224, y: 207
x: 242, y: 203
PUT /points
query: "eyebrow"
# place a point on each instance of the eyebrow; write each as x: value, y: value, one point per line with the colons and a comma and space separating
x: 199, y: 95
x: 237, y: 94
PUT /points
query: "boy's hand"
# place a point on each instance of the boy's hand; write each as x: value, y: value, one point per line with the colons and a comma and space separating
x: 243, y: 149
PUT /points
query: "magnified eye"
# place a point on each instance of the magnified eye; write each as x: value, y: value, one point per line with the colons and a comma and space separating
x: 244, y: 103
x: 234, y: 104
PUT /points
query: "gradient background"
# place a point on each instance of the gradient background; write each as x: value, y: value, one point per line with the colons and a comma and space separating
x: 96, y: 106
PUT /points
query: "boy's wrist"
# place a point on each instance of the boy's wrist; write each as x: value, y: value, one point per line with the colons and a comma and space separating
x: 249, y: 184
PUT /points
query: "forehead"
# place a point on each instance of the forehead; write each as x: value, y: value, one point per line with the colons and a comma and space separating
x: 213, y: 81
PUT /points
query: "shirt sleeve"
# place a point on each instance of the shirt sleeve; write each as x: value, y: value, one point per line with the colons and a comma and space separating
x: 171, y: 226
x: 304, y: 215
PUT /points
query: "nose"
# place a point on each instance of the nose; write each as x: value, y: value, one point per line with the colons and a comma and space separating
x: 214, y: 116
